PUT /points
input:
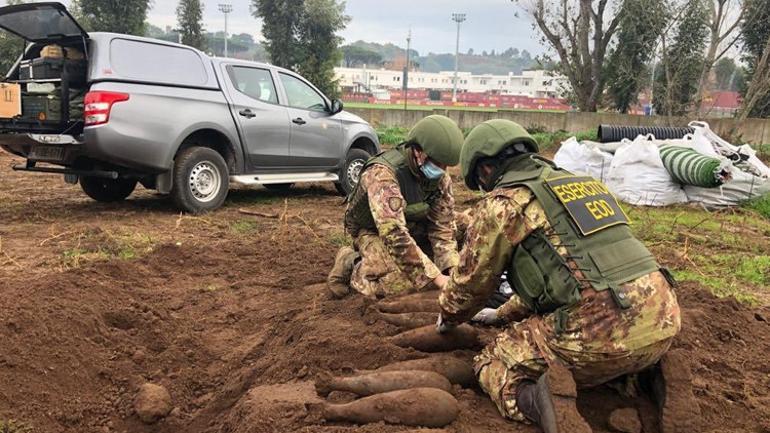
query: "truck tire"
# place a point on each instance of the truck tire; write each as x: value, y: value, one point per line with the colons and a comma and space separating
x: 349, y: 175
x: 201, y: 180
x: 107, y: 190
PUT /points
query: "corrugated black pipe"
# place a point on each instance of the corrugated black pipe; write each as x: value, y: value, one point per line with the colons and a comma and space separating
x: 613, y: 133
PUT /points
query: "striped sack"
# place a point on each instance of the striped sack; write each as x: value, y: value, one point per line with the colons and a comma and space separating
x: 688, y: 167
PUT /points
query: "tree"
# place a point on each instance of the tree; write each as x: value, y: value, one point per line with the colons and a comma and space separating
x: 728, y: 75
x: 682, y: 62
x: 756, y: 98
x: 580, y: 32
x: 302, y: 35
x: 11, y: 46
x: 280, y: 23
x: 755, y: 35
x: 318, y: 35
x: 470, y: 51
x: 119, y: 16
x: 190, y: 23
x: 358, y: 56
x: 723, y: 35
x: 641, y: 24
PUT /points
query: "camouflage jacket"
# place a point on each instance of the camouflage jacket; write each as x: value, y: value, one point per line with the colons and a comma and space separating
x: 387, y: 206
x: 503, y: 219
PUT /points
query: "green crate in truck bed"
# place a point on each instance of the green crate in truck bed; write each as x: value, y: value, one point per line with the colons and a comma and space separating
x: 41, y: 107
x: 33, y: 106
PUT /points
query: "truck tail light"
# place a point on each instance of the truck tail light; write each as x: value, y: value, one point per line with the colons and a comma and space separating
x: 98, y: 105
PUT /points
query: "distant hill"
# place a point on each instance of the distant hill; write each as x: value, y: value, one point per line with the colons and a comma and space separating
x: 244, y: 46
x: 510, y: 60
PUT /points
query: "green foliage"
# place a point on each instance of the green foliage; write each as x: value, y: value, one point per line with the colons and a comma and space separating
x: 641, y: 24
x: 754, y: 34
x: 124, y: 16
x: 510, y: 60
x: 392, y: 135
x: 677, y: 83
x: 11, y: 47
x: 242, y: 46
x: 725, y: 251
x: 302, y: 35
x: 356, y: 56
x: 761, y: 205
x: 190, y: 21
x: 729, y: 76
x: 546, y: 140
x: 318, y: 36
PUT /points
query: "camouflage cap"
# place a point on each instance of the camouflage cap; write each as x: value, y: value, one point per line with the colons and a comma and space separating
x: 440, y: 137
x: 488, y: 139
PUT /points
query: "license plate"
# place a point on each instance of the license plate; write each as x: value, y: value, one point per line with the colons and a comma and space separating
x: 47, y: 153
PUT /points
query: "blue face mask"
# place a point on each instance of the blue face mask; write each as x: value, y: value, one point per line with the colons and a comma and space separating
x: 431, y: 171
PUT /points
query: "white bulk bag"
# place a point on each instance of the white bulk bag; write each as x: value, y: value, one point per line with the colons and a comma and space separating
x: 584, y: 158
x: 637, y: 175
x: 750, y: 176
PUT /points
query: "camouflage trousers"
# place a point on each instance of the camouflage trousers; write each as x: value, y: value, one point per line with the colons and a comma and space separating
x: 376, y: 274
x: 600, y: 342
x: 514, y: 357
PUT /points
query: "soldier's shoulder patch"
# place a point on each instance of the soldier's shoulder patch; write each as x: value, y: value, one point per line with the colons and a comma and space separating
x: 396, y: 204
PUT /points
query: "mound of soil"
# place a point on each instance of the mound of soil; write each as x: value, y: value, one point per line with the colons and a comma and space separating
x: 238, y: 330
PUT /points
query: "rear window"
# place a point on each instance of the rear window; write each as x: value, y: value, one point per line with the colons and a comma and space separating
x: 157, y: 63
x: 39, y: 23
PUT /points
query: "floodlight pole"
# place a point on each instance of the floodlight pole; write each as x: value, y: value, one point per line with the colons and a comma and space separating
x: 225, y: 8
x: 458, y: 18
x: 406, y: 67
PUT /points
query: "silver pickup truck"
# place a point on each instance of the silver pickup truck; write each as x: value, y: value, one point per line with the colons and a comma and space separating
x: 110, y: 111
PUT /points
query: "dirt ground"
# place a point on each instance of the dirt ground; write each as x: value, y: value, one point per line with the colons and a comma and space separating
x: 228, y: 312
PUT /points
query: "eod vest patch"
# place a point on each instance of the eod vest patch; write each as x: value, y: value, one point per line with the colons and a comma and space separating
x: 589, y: 203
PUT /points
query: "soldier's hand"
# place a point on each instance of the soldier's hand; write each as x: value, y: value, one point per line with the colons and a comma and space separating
x: 443, y: 326
x: 487, y: 316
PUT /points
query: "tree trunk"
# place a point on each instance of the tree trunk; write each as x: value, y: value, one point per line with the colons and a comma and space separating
x: 760, y: 83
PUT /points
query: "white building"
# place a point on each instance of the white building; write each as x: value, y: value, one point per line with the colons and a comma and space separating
x: 535, y: 83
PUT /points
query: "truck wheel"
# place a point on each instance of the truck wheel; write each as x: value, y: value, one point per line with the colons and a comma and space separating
x: 201, y: 180
x: 351, y: 171
x: 107, y: 190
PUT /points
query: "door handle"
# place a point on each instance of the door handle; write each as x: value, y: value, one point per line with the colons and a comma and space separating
x: 247, y: 113
x: 299, y: 121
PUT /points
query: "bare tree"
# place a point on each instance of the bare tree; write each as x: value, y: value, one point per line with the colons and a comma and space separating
x: 759, y: 86
x: 723, y: 35
x: 580, y: 32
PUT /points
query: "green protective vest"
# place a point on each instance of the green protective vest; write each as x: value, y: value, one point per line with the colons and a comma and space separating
x: 600, y: 243
x: 418, y: 193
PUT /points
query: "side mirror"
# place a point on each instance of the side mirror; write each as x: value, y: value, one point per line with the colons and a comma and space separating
x: 337, y: 106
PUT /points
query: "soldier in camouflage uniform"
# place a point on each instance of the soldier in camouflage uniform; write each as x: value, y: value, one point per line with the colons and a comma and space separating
x: 401, y: 216
x: 590, y: 303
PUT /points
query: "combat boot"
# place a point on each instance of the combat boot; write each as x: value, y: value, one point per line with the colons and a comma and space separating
x: 550, y: 402
x: 338, y: 280
x: 672, y: 389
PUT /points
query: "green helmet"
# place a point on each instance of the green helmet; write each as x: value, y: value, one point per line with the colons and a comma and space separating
x: 489, y: 139
x: 440, y: 137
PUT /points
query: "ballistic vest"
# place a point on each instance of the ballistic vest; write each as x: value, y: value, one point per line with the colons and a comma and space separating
x: 591, y: 226
x: 418, y: 193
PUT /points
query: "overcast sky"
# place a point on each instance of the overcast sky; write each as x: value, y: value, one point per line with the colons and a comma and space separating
x: 491, y: 24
